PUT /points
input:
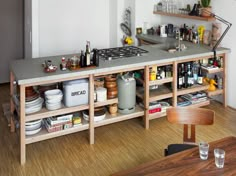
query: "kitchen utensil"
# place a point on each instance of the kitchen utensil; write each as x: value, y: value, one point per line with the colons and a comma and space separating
x: 163, y: 30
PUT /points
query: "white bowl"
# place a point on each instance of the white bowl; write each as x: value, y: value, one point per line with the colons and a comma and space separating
x: 53, y: 106
x: 32, y: 132
x: 51, y: 94
x: 34, y: 103
x: 53, y: 100
x: 33, y: 127
x: 34, y: 122
x: 96, y: 118
x: 33, y: 109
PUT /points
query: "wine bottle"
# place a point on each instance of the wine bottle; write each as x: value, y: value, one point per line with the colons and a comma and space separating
x: 190, y: 75
x: 200, y: 76
x: 95, y: 57
x: 180, y: 78
x: 87, y: 54
x: 185, y: 75
x: 82, y: 59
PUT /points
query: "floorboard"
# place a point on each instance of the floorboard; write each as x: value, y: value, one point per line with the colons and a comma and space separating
x: 117, y: 146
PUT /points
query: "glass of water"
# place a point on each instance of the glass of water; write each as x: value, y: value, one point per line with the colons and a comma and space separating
x: 219, y: 158
x: 203, y: 150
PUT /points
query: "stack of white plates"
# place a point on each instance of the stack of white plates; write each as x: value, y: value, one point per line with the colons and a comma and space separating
x: 53, y: 99
x: 33, y: 105
x: 33, y: 127
x: 96, y: 118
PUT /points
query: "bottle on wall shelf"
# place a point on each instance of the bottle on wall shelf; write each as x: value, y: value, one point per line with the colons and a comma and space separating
x: 87, y: 54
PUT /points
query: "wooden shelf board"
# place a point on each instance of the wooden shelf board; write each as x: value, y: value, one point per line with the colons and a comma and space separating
x: 216, y: 92
x: 109, y: 119
x: 194, y: 88
x: 161, y: 81
x: 44, y: 113
x: 157, y: 82
x: 185, y: 16
x: 107, y: 102
x: 44, y: 134
x: 157, y: 115
x: 197, y: 105
x: 158, y: 94
x: 211, y: 71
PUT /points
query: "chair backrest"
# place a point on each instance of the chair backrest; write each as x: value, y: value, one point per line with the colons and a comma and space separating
x: 190, y: 117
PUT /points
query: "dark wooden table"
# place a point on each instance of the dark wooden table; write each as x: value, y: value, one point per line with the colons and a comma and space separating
x: 188, y: 163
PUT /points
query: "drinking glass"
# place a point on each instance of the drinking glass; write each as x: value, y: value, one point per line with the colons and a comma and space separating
x: 203, y: 150
x: 219, y: 157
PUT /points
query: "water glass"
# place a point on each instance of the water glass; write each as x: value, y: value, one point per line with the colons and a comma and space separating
x: 203, y: 150
x: 219, y: 158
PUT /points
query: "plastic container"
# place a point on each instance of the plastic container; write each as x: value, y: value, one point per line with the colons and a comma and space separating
x: 75, y: 92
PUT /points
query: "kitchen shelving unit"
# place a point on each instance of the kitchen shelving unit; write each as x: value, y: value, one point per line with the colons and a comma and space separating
x: 145, y: 94
x: 163, y: 93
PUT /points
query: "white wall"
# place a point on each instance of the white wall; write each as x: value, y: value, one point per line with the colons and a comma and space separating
x: 226, y: 10
x: 113, y: 14
x: 64, y: 26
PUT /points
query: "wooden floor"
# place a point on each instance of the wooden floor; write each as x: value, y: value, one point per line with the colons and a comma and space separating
x: 117, y: 147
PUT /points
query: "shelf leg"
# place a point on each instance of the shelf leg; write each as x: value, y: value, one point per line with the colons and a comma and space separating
x: 22, y: 125
x: 146, y: 97
x: 174, y: 84
x: 225, y: 59
x: 12, y: 106
x: 91, y: 109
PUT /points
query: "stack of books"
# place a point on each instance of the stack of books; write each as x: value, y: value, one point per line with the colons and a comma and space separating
x: 196, y: 97
x: 58, y: 123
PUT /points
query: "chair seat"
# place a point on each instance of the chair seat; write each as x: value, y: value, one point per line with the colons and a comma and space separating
x: 175, y: 148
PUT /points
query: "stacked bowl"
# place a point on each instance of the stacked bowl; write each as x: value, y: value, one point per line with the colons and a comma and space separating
x: 33, y: 127
x: 53, y: 99
x: 33, y: 102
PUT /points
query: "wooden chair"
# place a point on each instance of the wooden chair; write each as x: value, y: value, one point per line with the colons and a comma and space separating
x: 189, y: 117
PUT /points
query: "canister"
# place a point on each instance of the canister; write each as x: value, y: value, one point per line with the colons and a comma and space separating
x: 101, y: 94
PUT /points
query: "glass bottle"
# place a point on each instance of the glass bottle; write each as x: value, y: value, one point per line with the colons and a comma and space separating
x: 200, y: 76
x: 180, y: 78
x: 87, y: 54
x: 82, y: 59
x: 195, y: 72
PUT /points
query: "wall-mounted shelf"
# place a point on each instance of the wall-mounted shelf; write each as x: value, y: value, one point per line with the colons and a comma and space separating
x: 185, y: 16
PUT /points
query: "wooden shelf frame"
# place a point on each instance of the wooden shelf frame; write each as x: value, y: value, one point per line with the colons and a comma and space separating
x: 146, y: 95
x: 212, y: 71
x: 44, y: 134
x: 194, y: 88
x: 184, y: 16
x: 214, y: 93
x: 109, y: 119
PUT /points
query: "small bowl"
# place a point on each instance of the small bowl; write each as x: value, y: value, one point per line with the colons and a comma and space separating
x: 110, y: 78
x: 33, y: 127
x: 110, y: 84
x: 53, y: 94
x: 112, y: 92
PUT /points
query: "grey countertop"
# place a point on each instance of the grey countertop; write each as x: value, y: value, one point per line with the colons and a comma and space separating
x: 31, y: 71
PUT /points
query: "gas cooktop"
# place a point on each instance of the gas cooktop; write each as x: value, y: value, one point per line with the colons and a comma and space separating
x: 120, y: 52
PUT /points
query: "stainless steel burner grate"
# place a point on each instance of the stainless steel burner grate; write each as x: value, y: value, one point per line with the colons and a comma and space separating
x: 120, y: 52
